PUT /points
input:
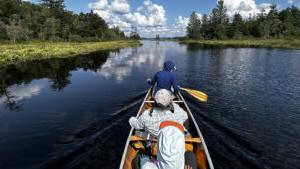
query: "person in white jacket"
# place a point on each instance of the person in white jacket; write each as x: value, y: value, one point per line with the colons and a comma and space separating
x: 163, y: 110
x: 164, y: 121
x: 171, y: 149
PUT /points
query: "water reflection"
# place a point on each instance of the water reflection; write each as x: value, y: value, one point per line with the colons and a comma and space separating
x: 119, y: 66
x: 87, y: 101
x: 16, y: 80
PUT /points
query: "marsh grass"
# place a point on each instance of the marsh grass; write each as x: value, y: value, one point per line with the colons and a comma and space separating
x: 11, y: 53
x: 255, y: 43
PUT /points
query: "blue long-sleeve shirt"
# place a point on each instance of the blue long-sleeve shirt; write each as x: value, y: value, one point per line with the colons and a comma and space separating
x: 165, y: 80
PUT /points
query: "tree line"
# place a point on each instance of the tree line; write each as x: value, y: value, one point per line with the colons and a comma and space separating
x: 49, y: 21
x: 218, y: 25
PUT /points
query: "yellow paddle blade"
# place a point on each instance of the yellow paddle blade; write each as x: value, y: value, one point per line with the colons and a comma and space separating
x: 197, y: 94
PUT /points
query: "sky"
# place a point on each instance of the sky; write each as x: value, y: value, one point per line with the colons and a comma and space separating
x: 168, y: 18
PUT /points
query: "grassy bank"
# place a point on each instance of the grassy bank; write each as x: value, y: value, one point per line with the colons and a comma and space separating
x: 256, y: 43
x: 12, y: 53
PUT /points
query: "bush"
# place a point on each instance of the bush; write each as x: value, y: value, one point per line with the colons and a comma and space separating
x: 75, y: 38
x: 3, y: 33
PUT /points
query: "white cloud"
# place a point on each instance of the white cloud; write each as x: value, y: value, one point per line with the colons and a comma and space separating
x: 147, y: 15
x: 199, y: 15
x: 182, y: 22
x: 150, y: 18
x: 290, y: 1
x: 101, y: 4
x: 245, y: 7
x: 120, y: 6
x: 119, y: 13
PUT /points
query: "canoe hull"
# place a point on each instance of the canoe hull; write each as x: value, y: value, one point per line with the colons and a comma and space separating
x: 199, y: 147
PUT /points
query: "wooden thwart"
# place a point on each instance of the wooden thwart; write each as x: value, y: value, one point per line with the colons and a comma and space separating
x: 187, y: 139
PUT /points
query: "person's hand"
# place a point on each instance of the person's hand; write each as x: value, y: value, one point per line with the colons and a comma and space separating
x: 133, y: 121
x: 187, y: 167
x: 149, y: 81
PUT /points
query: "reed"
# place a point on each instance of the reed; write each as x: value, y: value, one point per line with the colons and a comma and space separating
x: 255, y: 43
x: 12, y: 53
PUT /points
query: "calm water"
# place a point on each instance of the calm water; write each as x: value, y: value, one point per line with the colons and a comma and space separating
x: 73, y: 113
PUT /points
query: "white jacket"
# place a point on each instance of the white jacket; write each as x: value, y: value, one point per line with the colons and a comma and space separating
x: 151, y: 123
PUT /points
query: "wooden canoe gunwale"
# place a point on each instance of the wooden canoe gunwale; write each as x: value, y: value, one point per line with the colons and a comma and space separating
x: 131, y: 130
x: 181, y: 101
x: 210, y: 163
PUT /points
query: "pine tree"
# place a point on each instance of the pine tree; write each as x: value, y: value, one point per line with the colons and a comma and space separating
x: 157, y: 37
x: 14, y: 29
x: 236, y: 26
x: 263, y: 25
x: 287, y: 19
x: 220, y: 20
x: 53, y: 4
x: 273, y: 21
x: 51, y: 28
x: 194, y: 27
x: 296, y: 17
x: 3, y: 33
x: 134, y: 34
x: 205, y: 27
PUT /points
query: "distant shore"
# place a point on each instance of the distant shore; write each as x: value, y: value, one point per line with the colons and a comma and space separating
x: 255, y: 43
x: 13, y: 53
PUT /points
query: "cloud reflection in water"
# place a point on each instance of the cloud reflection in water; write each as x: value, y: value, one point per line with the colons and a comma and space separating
x: 12, y: 96
x: 151, y: 55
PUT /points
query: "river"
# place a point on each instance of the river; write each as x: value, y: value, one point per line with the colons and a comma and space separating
x: 73, y: 113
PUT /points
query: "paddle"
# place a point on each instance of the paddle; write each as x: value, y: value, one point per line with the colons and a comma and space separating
x: 197, y: 94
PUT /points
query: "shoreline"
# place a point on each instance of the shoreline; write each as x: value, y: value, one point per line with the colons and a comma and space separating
x: 15, y: 53
x: 252, y: 43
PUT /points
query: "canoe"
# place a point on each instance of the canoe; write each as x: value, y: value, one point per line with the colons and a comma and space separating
x: 194, y: 143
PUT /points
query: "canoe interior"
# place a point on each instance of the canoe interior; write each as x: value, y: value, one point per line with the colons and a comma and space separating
x: 194, y: 143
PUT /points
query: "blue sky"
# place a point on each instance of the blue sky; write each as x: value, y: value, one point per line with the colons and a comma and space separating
x: 165, y: 17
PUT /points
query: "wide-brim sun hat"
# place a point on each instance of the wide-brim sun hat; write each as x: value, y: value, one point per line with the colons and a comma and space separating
x: 163, y: 97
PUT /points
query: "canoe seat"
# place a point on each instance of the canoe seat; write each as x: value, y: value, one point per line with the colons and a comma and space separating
x: 136, y: 143
x: 188, y: 139
x: 173, y: 102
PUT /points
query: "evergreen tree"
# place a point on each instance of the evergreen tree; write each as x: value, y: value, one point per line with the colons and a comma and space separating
x: 9, y: 8
x: 287, y: 19
x: 157, y: 37
x: 236, y: 26
x: 270, y: 24
x: 134, y: 35
x: 50, y: 21
x: 296, y: 18
x: 263, y: 25
x: 220, y: 20
x: 194, y: 27
x: 57, y: 5
x: 3, y: 33
x: 50, y: 28
x: 15, y: 31
x: 273, y: 21
x: 205, y: 27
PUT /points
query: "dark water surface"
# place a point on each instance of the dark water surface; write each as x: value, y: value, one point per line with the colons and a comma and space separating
x: 73, y: 113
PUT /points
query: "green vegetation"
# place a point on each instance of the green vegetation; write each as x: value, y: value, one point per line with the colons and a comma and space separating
x: 264, y: 30
x: 49, y: 21
x: 266, y: 43
x: 32, y: 31
x: 11, y: 53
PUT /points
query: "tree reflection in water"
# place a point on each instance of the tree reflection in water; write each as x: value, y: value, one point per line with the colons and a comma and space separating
x: 10, y: 102
x: 56, y: 70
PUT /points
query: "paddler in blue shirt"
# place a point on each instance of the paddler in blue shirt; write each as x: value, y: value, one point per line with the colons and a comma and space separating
x: 165, y: 79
